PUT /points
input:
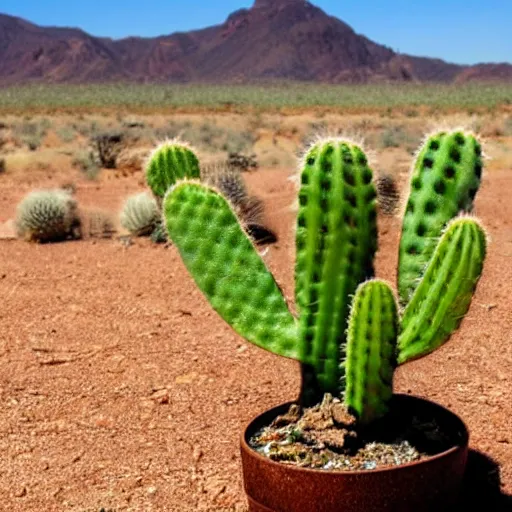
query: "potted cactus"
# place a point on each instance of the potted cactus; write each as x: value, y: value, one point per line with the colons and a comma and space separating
x: 324, y: 452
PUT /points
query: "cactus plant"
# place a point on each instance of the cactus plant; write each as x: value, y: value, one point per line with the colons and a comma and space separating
x: 348, y: 332
x: 48, y: 216
x: 140, y: 214
x: 170, y: 161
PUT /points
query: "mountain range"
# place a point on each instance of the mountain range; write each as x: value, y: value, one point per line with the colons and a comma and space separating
x: 273, y: 40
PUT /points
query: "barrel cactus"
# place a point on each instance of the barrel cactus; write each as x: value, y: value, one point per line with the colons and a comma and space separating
x: 388, y: 194
x: 140, y: 214
x: 170, y: 161
x: 48, y: 216
x: 229, y: 181
x: 349, y: 331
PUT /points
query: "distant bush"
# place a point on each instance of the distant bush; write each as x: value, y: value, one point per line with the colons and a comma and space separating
x: 66, y: 134
x: 108, y: 145
x: 86, y: 162
x: 99, y: 224
x: 31, y: 133
x: 242, y: 162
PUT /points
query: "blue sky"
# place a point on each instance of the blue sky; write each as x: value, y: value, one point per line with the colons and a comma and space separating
x: 463, y: 31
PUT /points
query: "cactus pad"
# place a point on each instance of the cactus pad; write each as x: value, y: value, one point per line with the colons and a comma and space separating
x: 170, y: 162
x: 371, y: 351
x: 444, y: 294
x: 444, y: 182
x: 336, y: 240
x: 227, y: 268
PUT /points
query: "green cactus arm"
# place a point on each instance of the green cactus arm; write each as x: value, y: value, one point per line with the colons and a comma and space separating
x: 227, y: 268
x: 168, y: 163
x: 444, y: 182
x: 336, y: 240
x: 371, y: 351
x: 444, y: 295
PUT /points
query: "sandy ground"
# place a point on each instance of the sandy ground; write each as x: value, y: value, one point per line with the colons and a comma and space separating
x: 121, y: 389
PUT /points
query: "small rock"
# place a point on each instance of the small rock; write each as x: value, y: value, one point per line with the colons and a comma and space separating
x: 161, y: 396
x: 341, y: 415
x: 291, y: 416
x: 197, y: 454
x: 187, y: 378
x: 103, y: 422
x: 151, y: 491
x: 20, y: 492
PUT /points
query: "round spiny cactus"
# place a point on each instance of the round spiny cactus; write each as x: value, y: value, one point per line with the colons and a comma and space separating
x: 171, y: 161
x: 48, y: 216
x: 387, y: 193
x: 229, y: 181
x: 140, y: 214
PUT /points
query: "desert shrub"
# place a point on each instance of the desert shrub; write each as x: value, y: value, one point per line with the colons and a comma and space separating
x: 66, y: 134
x: 388, y: 194
x: 237, y: 142
x: 86, y: 129
x: 159, y: 234
x: 242, y: 162
x: 411, y: 112
x: 208, y: 136
x: 100, y: 224
x: 48, y: 216
x: 31, y: 133
x: 390, y: 138
x: 108, y: 146
x: 86, y: 162
x: 399, y: 136
x: 229, y: 181
x: 140, y: 214
x: 133, y: 123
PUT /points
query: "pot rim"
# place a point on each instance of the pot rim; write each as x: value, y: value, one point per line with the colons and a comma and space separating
x: 461, y: 445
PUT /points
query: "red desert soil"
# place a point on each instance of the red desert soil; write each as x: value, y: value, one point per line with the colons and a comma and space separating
x: 120, y: 387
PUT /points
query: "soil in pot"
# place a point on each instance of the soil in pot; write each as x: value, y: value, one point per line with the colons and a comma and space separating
x: 327, y: 436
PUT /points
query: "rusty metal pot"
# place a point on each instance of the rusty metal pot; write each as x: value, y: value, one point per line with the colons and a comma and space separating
x: 432, y: 484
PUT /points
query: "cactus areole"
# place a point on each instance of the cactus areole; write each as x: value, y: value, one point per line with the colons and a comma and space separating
x: 349, y: 330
